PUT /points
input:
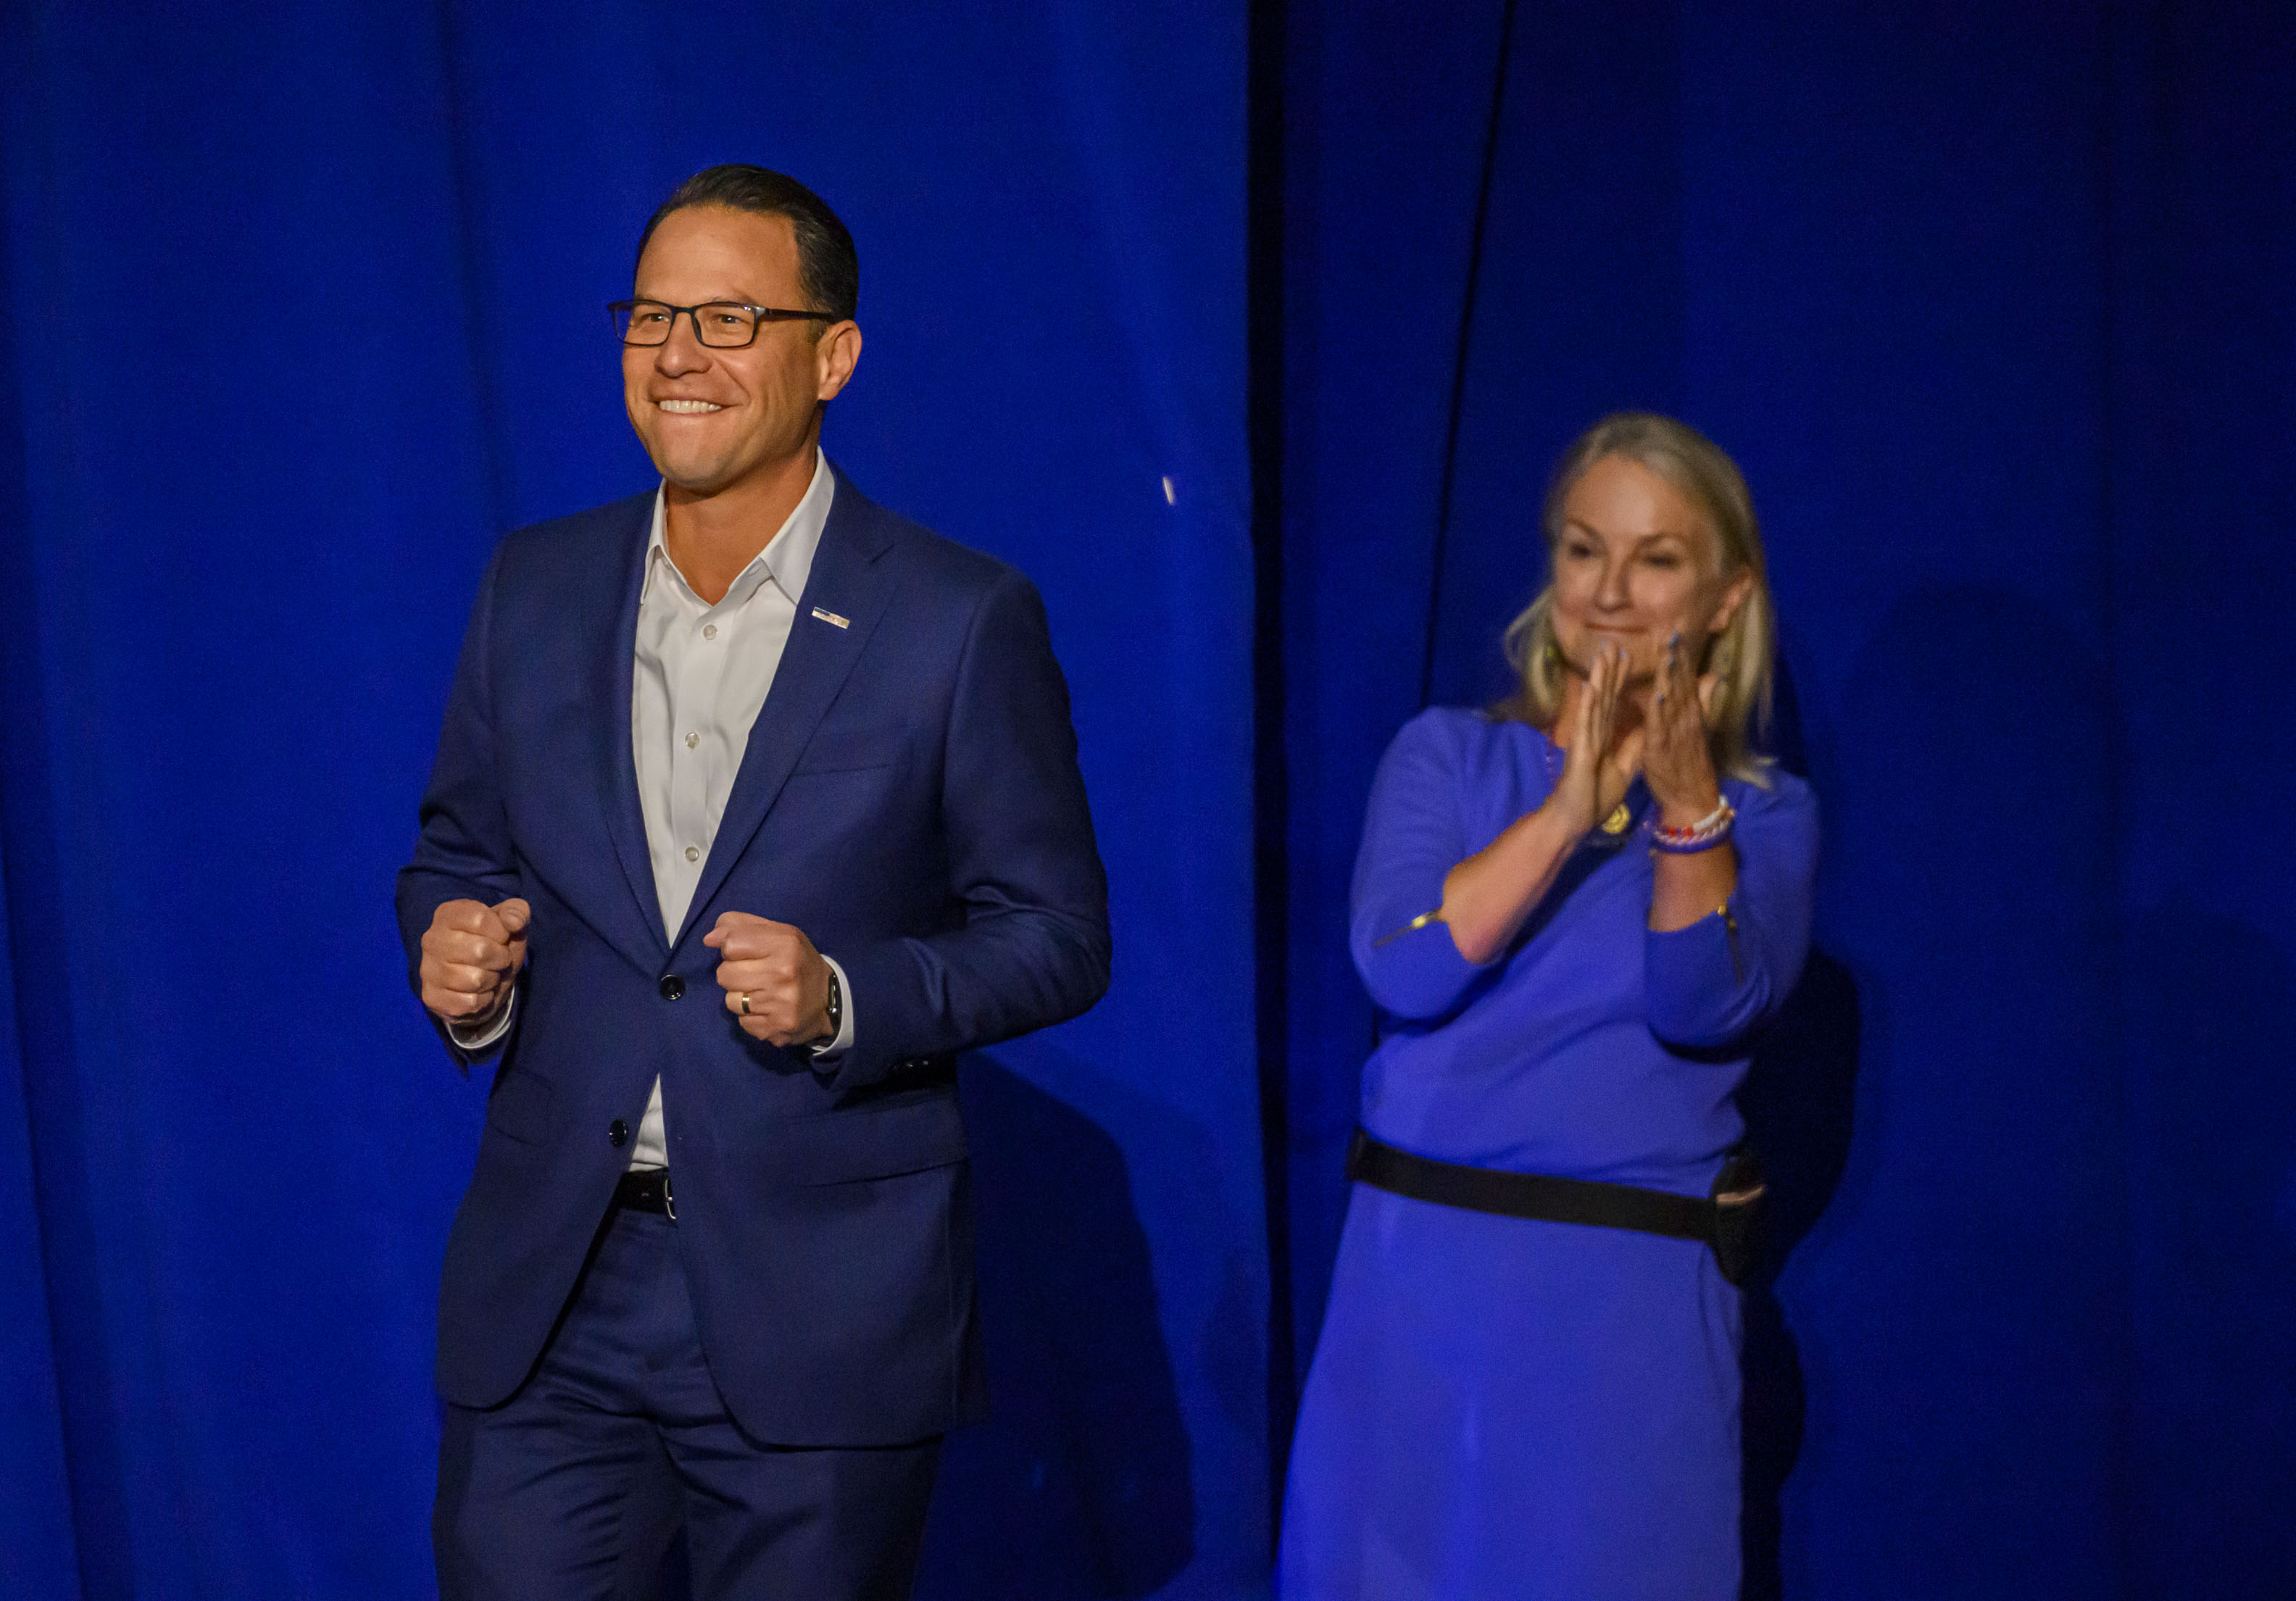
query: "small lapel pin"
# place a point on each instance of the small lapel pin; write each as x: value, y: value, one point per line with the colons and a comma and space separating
x: 832, y: 619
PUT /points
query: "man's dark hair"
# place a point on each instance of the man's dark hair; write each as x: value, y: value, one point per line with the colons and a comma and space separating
x: 827, y: 269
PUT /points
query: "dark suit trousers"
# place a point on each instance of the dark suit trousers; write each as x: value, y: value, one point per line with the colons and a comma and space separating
x: 576, y: 1486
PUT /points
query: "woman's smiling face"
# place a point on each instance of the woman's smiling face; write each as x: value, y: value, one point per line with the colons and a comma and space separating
x: 1635, y: 564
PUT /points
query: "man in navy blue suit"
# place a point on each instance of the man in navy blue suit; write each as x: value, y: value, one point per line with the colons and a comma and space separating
x: 754, y: 804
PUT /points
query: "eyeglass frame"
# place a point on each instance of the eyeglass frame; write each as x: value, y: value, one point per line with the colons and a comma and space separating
x: 763, y: 314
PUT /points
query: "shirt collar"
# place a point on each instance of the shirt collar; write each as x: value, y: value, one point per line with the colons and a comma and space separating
x: 787, y: 557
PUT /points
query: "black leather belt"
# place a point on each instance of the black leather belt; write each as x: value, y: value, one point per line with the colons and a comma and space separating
x: 646, y: 1189
x: 1724, y: 1220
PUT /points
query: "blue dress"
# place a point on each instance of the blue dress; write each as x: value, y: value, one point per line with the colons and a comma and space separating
x: 1511, y: 1409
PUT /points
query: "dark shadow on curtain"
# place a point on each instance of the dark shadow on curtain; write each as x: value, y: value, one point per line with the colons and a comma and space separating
x: 1079, y: 1485
x: 37, y: 970
x: 2212, y: 1113
x: 1799, y: 1102
x: 1967, y: 785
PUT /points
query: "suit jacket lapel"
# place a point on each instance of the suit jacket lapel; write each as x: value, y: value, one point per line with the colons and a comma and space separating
x: 846, y: 581
x: 614, y: 666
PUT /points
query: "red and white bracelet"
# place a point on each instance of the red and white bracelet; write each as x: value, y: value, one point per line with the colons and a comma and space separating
x: 1705, y: 835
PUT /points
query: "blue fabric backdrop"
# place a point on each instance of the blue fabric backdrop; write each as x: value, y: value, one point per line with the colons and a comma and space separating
x: 305, y: 308
x: 1992, y: 302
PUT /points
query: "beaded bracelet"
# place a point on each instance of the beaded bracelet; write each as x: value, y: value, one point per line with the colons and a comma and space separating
x: 1705, y: 835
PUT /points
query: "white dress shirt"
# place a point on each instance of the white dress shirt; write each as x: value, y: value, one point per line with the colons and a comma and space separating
x: 700, y: 674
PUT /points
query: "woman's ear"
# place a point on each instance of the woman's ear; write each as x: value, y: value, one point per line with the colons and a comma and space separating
x: 1733, y: 596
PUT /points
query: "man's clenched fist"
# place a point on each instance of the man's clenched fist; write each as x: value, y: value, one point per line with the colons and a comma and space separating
x: 472, y: 953
x: 775, y: 969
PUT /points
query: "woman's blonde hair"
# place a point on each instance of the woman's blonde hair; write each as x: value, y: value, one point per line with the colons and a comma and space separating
x: 1743, y: 654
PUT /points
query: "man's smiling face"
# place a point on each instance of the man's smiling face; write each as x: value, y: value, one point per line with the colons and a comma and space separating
x: 716, y: 419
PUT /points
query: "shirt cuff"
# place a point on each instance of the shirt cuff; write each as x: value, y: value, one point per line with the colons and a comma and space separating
x: 468, y: 1038
x: 843, y: 1042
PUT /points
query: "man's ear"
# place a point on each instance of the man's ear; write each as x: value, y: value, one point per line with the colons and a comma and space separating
x: 835, y: 353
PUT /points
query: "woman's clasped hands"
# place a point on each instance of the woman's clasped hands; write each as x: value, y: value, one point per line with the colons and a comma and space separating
x: 1659, y: 734
x: 1677, y: 756
x: 1599, y: 761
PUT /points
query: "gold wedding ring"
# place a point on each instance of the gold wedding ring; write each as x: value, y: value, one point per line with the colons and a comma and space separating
x: 745, y: 1003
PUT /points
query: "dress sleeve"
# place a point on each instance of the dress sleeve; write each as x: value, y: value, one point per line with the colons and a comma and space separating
x: 1714, y: 982
x: 1413, y: 836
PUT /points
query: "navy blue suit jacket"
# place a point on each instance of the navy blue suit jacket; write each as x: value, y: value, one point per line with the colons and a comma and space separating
x: 910, y: 798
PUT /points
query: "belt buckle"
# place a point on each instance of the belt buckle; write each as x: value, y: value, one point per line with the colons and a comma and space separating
x: 668, y: 1201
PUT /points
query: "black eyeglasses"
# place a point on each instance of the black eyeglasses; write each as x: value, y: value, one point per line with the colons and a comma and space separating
x: 721, y: 324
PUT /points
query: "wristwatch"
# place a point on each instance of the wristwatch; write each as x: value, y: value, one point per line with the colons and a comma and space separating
x: 835, y: 1007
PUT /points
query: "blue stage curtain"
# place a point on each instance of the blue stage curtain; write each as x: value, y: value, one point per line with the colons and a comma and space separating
x: 298, y: 309
x: 1993, y: 304
x: 304, y: 307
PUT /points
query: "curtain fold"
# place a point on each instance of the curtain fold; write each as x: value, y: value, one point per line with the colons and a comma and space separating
x: 299, y: 310
x: 1991, y: 304
x: 305, y: 309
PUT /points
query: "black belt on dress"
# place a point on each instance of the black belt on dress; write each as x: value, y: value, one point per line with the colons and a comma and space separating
x: 646, y: 1189
x: 1724, y: 1220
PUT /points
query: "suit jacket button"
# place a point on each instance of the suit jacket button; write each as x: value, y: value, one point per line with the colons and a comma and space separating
x: 617, y: 1134
x: 672, y: 986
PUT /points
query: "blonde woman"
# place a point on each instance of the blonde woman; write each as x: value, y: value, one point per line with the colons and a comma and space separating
x: 1572, y: 910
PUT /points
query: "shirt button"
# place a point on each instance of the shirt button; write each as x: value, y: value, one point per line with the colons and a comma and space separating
x: 693, y: 853
x: 692, y: 740
x: 672, y: 986
x: 617, y: 1134
x: 709, y: 630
